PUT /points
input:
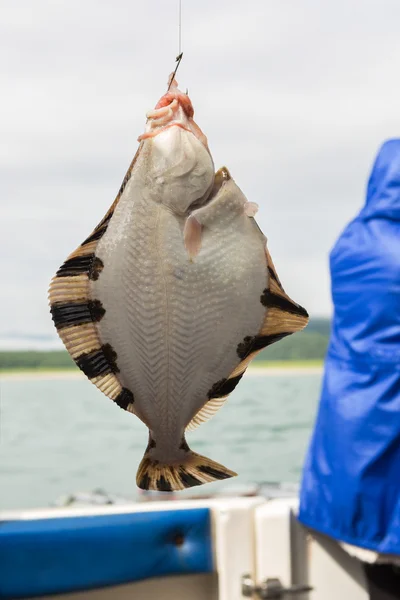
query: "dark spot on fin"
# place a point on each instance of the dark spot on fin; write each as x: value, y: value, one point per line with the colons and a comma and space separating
x: 87, y: 264
x: 95, y: 269
x: 98, y: 362
x: 271, y: 300
x: 144, y: 483
x: 67, y: 314
x: 94, y: 364
x: 163, y: 485
x: 96, y: 235
x: 104, y: 222
x: 111, y: 357
x: 245, y: 347
x: 187, y: 479
x: 96, y: 310
x: 78, y: 265
x: 124, y: 398
x: 273, y: 275
x: 224, y: 387
x: 263, y: 341
x: 215, y: 473
x: 100, y: 229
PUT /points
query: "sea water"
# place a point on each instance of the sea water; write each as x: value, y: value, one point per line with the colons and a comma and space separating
x: 61, y: 435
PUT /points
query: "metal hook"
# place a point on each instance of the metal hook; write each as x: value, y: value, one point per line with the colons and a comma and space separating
x: 178, y: 61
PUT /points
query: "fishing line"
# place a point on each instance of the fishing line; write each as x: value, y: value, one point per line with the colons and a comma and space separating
x: 180, y: 27
x: 180, y: 53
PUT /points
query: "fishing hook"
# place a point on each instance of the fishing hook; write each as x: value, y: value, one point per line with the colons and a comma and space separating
x: 178, y: 61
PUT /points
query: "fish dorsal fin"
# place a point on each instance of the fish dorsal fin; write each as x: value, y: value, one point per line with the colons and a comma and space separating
x: 283, y: 317
x: 76, y: 314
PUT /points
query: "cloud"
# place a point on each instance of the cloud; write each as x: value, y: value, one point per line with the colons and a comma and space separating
x: 295, y: 99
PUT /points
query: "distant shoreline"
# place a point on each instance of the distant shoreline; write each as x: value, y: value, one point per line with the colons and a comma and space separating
x: 256, y: 369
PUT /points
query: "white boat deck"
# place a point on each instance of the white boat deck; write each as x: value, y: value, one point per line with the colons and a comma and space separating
x: 251, y: 537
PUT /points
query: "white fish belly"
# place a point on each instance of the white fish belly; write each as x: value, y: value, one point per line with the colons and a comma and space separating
x: 176, y: 325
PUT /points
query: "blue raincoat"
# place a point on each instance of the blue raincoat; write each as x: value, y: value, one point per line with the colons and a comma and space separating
x: 351, y: 478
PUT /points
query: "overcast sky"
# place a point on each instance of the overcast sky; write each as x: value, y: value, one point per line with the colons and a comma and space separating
x: 295, y: 97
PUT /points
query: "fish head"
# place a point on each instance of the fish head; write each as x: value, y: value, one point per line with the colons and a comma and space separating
x: 226, y: 196
x: 180, y: 169
x: 226, y: 207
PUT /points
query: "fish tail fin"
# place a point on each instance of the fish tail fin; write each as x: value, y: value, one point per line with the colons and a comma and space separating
x: 189, y: 470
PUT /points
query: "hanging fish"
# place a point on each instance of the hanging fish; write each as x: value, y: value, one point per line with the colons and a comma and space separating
x: 166, y: 303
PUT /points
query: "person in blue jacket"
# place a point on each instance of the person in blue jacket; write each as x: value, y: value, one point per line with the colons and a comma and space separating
x: 351, y: 478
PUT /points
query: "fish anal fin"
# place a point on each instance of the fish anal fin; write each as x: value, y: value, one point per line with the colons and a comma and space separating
x: 217, y: 395
x: 210, y: 408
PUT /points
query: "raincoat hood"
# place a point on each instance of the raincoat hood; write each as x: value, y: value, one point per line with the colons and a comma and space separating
x: 383, y: 191
x: 351, y: 478
x: 365, y: 271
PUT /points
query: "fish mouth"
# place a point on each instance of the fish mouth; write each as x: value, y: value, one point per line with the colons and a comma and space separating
x: 174, y: 109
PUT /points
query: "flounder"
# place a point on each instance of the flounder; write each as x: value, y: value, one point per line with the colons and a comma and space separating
x: 172, y: 295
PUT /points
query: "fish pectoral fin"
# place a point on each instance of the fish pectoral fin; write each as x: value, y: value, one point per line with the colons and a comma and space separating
x: 192, y: 234
x: 250, y: 209
x: 189, y: 470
